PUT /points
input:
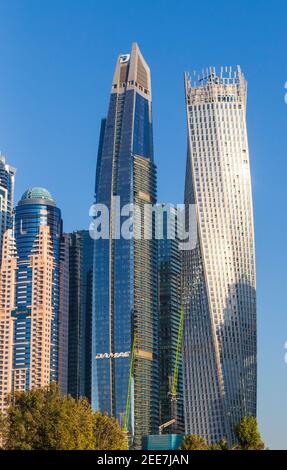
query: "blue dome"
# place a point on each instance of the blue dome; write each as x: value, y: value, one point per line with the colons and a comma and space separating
x: 37, y: 193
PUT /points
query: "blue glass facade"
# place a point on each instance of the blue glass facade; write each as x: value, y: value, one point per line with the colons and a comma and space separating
x: 125, y: 271
x: 7, y: 178
x: 80, y: 313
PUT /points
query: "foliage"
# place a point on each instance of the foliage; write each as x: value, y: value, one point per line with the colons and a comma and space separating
x: 248, y: 434
x: 194, y: 442
x: 221, y: 445
x: 246, y: 431
x: 44, y: 419
x: 109, y: 435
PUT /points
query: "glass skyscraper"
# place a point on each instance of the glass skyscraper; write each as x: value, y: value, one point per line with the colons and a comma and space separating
x: 81, y: 251
x: 125, y: 312
x: 30, y: 312
x: 7, y: 180
x: 219, y: 274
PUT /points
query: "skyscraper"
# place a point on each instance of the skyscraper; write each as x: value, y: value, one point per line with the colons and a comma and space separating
x: 30, y: 296
x: 219, y: 274
x: 170, y: 322
x: 7, y: 179
x: 64, y: 303
x: 80, y: 314
x: 125, y: 356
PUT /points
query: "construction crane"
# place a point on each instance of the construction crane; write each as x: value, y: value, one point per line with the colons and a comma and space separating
x: 166, y: 425
x: 129, y: 397
x: 174, y: 397
x: 177, y: 355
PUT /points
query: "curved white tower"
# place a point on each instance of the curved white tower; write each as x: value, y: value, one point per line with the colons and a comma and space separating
x: 219, y: 274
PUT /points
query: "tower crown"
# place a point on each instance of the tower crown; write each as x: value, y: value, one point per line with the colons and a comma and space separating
x: 132, y: 72
x: 32, y: 194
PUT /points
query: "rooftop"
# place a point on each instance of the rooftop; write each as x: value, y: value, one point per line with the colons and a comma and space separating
x: 37, y: 193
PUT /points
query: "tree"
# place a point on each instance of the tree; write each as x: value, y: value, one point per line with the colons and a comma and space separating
x: 194, y: 442
x: 248, y: 434
x: 108, y: 434
x: 44, y: 419
x: 221, y: 445
x: 3, y: 429
x: 246, y: 431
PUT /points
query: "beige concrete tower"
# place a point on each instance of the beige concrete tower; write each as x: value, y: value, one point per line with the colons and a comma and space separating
x: 34, y: 303
x: 220, y: 283
x: 41, y: 264
x: 7, y: 304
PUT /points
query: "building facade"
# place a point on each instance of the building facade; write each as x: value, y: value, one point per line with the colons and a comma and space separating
x: 81, y: 251
x: 125, y: 314
x: 31, y: 345
x: 7, y: 181
x: 219, y: 274
x: 64, y: 304
x: 170, y: 321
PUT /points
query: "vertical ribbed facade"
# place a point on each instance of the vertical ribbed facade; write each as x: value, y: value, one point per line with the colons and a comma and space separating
x: 7, y: 181
x: 219, y: 274
x: 125, y: 362
x: 170, y: 327
x: 30, y: 293
x: 80, y: 314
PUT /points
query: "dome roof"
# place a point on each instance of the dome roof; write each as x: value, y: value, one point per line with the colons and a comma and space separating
x: 37, y: 193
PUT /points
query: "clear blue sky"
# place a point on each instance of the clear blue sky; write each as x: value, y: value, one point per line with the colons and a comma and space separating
x: 56, y: 64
